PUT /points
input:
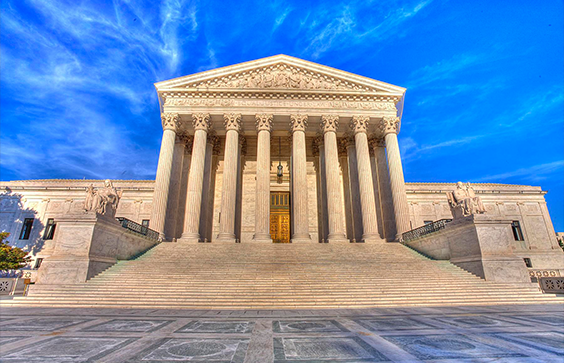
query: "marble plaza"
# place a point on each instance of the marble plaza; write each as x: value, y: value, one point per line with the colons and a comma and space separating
x: 456, y: 334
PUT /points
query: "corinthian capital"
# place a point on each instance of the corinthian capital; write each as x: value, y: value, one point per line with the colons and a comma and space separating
x: 243, y: 143
x: 359, y: 124
x: 171, y: 121
x: 201, y: 121
x: 232, y: 121
x: 329, y: 123
x: 389, y: 124
x: 298, y: 122
x: 376, y: 142
x: 264, y: 122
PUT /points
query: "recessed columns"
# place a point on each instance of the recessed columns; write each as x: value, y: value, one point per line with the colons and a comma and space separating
x: 229, y: 193
x: 359, y: 125
x: 196, y: 179
x: 329, y: 124
x: 298, y: 124
x: 262, y: 197
x: 389, y: 128
x: 170, y: 123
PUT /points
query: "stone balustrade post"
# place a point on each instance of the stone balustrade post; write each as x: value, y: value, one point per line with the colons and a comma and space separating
x: 298, y: 126
x: 389, y: 128
x: 359, y: 126
x: 329, y: 125
x: 229, y: 193
x: 171, y: 122
x: 193, y: 208
x: 262, y: 198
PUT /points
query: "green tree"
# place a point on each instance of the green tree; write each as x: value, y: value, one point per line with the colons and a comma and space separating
x: 11, y: 258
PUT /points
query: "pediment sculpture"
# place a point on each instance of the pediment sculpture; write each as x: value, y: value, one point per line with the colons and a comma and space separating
x: 464, y: 202
x: 279, y: 76
x: 102, y: 200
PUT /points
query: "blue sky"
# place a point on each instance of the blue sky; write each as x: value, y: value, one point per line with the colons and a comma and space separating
x: 485, y: 79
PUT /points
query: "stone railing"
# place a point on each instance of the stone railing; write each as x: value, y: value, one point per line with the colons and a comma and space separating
x: 138, y: 228
x: 424, y: 230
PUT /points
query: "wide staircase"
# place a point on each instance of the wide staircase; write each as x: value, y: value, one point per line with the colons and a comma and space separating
x: 282, y: 276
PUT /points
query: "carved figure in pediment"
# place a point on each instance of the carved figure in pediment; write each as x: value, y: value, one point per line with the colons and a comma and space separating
x: 464, y: 202
x: 98, y: 200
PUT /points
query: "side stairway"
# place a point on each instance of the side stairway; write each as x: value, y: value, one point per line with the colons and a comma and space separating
x: 282, y: 276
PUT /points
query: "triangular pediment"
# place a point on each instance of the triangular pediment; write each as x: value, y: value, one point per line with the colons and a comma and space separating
x: 279, y: 72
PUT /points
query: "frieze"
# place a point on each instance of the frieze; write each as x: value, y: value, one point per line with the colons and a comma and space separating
x: 216, y: 102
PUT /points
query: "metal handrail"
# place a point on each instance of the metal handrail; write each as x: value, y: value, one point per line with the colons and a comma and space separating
x: 424, y: 230
x: 138, y: 228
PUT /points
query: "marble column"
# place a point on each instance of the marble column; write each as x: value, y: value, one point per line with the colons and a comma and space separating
x: 347, y: 192
x: 174, y: 188
x: 262, y: 197
x: 170, y: 122
x: 298, y: 126
x: 229, y: 192
x: 193, y: 207
x: 322, y: 222
x: 207, y: 191
x: 384, y: 189
x: 354, y: 187
x: 359, y: 126
x: 187, y: 158
x: 329, y: 125
x: 389, y: 128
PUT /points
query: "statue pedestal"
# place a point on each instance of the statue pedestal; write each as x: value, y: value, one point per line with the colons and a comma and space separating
x: 85, y: 244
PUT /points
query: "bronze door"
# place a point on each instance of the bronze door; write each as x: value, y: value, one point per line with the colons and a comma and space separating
x: 280, y: 217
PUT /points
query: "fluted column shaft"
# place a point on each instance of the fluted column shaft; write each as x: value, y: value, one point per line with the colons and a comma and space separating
x: 229, y: 192
x: 389, y: 127
x: 299, y: 179
x: 196, y: 179
x: 174, y: 188
x: 262, y: 198
x: 384, y: 190
x: 334, y: 203
x: 162, y: 181
x: 367, y: 200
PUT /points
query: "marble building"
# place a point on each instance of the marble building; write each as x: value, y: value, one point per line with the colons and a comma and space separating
x: 277, y: 150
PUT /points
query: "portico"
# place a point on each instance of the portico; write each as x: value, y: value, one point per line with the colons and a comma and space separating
x: 227, y: 130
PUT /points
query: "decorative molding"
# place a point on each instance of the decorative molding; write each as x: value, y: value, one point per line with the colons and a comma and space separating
x: 359, y: 124
x: 298, y: 122
x: 170, y: 121
x: 389, y: 124
x: 329, y: 123
x: 281, y: 100
x: 264, y: 122
x: 201, y: 121
x: 232, y: 121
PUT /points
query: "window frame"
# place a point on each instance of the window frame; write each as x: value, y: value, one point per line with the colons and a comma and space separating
x: 27, y: 226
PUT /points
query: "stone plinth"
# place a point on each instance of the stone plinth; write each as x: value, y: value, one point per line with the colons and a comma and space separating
x: 479, y: 244
x: 87, y: 244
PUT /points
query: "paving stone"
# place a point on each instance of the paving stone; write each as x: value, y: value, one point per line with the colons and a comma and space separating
x: 396, y: 323
x: 552, y: 319
x: 552, y: 342
x: 476, y: 322
x: 448, y: 346
x: 215, y: 326
x: 194, y: 350
x: 128, y: 325
x: 43, y: 324
x: 66, y: 349
x: 8, y: 340
x: 307, y: 326
x: 316, y: 349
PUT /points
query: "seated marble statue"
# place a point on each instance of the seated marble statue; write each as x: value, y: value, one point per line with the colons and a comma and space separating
x: 98, y: 200
x: 464, y: 202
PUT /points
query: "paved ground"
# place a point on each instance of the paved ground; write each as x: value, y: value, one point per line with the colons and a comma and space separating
x: 532, y: 333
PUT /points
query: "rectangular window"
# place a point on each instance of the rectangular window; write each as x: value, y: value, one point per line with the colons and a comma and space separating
x: 38, y: 263
x: 528, y: 262
x: 517, y: 233
x: 26, y: 228
x: 145, y: 223
x: 49, y: 229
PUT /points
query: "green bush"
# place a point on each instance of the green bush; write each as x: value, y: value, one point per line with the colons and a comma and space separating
x: 11, y: 258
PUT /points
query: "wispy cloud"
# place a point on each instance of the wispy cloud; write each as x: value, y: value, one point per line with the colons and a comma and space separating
x: 534, y: 173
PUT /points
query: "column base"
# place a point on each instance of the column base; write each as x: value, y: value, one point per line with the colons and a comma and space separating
x: 338, y: 240
x: 189, y: 238
x: 299, y: 238
x: 262, y: 238
x: 372, y: 239
x: 265, y: 240
x: 225, y: 238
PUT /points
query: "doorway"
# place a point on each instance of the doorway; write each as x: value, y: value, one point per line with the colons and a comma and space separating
x: 280, y: 217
